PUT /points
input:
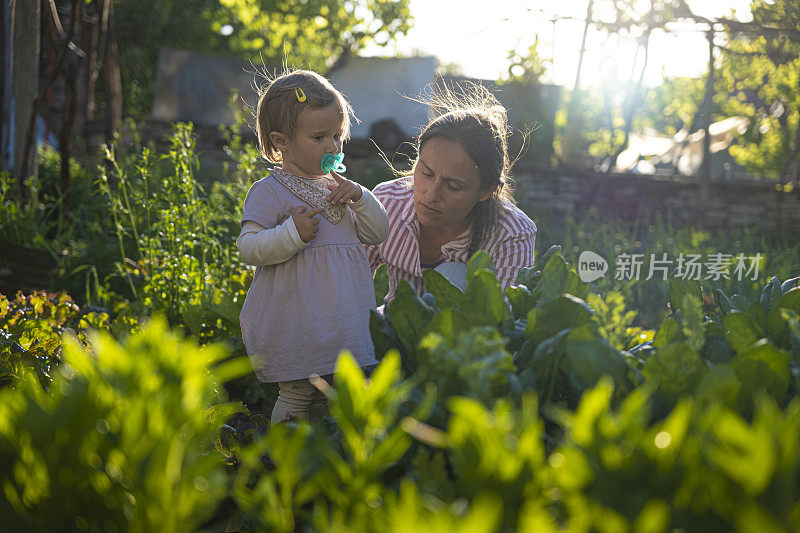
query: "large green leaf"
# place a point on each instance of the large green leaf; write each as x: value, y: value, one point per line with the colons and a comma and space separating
x: 790, y: 284
x: 719, y: 384
x: 741, y: 332
x: 450, y: 324
x: 756, y: 310
x: 528, y: 277
x: 777, y: 327
x: 544, y: 258
x: 521, y: 299
x: 380, y: 282
x: 478, y: 365
x: 409, y: 318
x: 539, y: 364
x: 723, y: 301
x: 770, y: 294
x: 745, y: 453
x: 479, y: 261
x: 669, y: 332
x: 384, y: 337
x: 557, y: 279
x: 446, y: 294
x: 676, y: 369
x: 679, y: 287
x: 717, y: 350
x: 763, y: 367
x: 740, y: 302
x: 484, y: 303
x: 564, y: 312
x: 588, y: 356
x: 692, y: 321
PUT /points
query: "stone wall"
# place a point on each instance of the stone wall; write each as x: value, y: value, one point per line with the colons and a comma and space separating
x: 731, y: 203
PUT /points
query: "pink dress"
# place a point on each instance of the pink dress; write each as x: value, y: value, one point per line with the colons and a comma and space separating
x: 299, y: 314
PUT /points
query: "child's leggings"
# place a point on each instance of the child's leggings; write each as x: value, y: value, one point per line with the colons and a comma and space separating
x: 295, y: 399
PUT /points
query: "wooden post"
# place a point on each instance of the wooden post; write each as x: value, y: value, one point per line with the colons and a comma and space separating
x: 577, y: 84
x: 705, y: 170
x: 113, y: 82
x: 570, y: 140
x: 25, y: 72
x: 5, y: 48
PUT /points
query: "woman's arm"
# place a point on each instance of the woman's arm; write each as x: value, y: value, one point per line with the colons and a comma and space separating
x: 260, y: 246
x: 372, y: 223
x: 374, y: 256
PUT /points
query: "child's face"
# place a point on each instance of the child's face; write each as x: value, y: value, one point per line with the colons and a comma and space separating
x: 318, y: 132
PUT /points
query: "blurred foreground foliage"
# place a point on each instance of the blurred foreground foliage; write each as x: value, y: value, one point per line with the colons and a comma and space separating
x: 579, y: 406
x: 546, y: 415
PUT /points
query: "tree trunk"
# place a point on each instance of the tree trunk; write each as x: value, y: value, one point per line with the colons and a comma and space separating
x: 3, y: 117
x: 93, y: 17
x: 797, y: 157
x: 112, y: 77
x: 583, y: 46
x: 571, y: 139
x: 65, y: 135
x: 705, y: 174
x: 632, y: 100
x: 25, y: 69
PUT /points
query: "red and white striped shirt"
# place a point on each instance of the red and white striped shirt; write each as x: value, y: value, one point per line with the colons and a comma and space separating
x: 509, y: 243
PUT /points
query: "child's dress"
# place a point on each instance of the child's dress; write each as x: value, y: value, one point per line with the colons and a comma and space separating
x: 314, y: 301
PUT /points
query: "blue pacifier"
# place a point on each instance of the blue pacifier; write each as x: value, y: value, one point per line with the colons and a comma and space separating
x: 333, y: 162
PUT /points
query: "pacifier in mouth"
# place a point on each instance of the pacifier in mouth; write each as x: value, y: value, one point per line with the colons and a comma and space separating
x: 333, y: 162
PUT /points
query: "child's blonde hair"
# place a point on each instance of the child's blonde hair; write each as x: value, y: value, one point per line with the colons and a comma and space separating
x: 285, y: 97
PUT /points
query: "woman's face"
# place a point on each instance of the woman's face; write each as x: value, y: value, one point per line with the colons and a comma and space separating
x: 447, y: 185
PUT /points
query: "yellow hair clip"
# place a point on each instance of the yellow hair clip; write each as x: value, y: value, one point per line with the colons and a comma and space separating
x: 301, y: 96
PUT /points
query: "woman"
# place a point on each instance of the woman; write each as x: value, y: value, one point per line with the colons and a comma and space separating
x: 457, y: 199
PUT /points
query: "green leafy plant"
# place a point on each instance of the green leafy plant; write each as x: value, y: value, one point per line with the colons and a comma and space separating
x: 306, y: 471
x: 122, y: 439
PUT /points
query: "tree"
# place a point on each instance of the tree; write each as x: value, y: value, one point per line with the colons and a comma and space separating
x: 637, y: 20
x: 671, y: 106
x: 761, y: 66
x: 310, y: 34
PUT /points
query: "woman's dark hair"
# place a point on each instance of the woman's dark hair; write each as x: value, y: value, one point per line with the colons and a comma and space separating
x: 472, y: 117
x: 285, y: 97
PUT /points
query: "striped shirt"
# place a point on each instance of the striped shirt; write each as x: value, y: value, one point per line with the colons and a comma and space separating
x: 509, y: 243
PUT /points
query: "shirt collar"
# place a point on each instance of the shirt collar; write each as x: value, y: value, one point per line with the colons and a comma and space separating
x: 459, y: 243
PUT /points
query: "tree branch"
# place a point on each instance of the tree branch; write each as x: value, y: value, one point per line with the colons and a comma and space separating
x: 738, y: 52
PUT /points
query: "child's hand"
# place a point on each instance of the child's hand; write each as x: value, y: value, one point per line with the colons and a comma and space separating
x: 343, y: 191
x: 307, y: 226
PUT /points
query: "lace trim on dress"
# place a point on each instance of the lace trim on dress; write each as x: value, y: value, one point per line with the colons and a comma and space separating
x: 313, y: 191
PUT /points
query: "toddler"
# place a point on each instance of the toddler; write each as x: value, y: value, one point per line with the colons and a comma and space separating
x: 304, y: 227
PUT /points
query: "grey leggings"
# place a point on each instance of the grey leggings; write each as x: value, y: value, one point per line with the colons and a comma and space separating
x: 295, y: 399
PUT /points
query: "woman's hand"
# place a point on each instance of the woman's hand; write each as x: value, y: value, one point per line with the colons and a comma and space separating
x: 307, y: 226
x: 344, y: 190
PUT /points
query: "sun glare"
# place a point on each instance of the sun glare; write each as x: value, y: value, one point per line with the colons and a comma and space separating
x: 467, y: 36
